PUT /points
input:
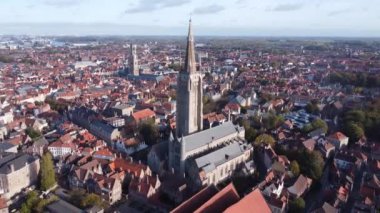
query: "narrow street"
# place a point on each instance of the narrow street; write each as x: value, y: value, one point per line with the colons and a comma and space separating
x: 355, y: 191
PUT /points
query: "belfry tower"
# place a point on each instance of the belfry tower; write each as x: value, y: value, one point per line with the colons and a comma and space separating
x: 133, y: 61
x: 189, y: 93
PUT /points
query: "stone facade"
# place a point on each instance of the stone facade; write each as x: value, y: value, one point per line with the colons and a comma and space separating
x: 133, y: 61
x: 189, y: 94
x: 17, y: 171
x: 208, y: 156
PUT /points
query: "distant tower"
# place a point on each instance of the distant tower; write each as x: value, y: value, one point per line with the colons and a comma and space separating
x: 189, y: 93
x: 133, y: 62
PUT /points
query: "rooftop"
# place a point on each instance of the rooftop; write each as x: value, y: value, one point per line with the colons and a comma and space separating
x: 196, y: 200
x: 211, y: 160
x: 17, y: 161
x: 254, y: 202
x: 205, y: 137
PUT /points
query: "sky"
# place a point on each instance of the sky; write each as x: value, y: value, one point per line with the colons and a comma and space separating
x: 344, y: 18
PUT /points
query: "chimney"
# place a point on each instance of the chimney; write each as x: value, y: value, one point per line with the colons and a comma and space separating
x: 11, y: 167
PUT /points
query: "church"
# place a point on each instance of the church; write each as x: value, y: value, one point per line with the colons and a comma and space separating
x: 203, y: 156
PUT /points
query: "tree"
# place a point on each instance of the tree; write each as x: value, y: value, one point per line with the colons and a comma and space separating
x: 312, y: 108
x: 368, y: 120
x: 81, y: 199
x: 356, y: 116
x: 272, y: 121
x: 297, y: 205
x: 30, y: 202
x: 47, y: 176
x: 76, y: 196
x: 250, y: 134
x: 32, y: 133
x: 25, y: 209
x: 42, y: 203
x: 353, y: 131
x: 316, y: 124
x: 91, y: 200
x: 244, y: 123
x: 175, y: 66
x: 295, y: 168
x: 208, y: 105
x: 35, y: 204
x: 311, y: 163
x: 307, y: 128
x: 6, y: 59
x: 149, y: 132
x: 319, y: 123
x: 264, y: 139
x: 55, y: 105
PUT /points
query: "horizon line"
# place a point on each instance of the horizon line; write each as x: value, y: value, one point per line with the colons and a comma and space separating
x: 202, y: 35
x: 120, y: 29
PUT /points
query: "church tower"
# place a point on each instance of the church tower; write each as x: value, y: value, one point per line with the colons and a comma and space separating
x: 189, y: 93
x: 133, y: 62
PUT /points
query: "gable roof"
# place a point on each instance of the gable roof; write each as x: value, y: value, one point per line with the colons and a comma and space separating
x: 196, y: 200
x: 129, y: 167
x: 326, y: 208
x: 204, y: 137
x: 220, y: 201
x: 299, y: 187
x: 254, y: 202
x: 143, y: 114
x: 309, y: 144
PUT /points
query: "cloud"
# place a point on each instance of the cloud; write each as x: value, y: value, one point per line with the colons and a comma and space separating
x: 30, y: 6
x: 286, y: 7
x: 338, y: 12
x: 152, y: 5
x: 62, y: 3
x: 211, y: 9
x: 240, y: 1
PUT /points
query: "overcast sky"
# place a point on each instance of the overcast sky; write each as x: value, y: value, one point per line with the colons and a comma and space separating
x: 210, y: 17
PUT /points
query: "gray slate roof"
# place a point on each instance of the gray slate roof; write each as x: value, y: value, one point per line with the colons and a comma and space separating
x: 5, y: 146
x: 202, y: 138
x: 210, y: 161
x: 17, y: 160
x: 62, y: 206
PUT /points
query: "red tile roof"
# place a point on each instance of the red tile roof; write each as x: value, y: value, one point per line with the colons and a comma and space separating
x: 104, y: 152
x: 3, y: 203
x: 220, y: 201
x: 196, y: 200
x: 254, y: 202
x: 60, y: 144
x: 127, y: 166
x: 232, y: 106
x: 143, y: 114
